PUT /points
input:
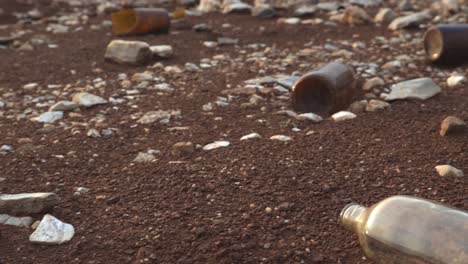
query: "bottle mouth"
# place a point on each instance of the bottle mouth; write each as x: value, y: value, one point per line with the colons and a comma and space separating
x: 433, y: 44
x: 351, y: 216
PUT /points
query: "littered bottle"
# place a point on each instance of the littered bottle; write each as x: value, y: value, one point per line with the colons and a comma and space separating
x: 409, y: 230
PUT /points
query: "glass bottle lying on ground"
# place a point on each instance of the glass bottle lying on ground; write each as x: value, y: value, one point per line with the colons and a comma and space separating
x: 409, y: 230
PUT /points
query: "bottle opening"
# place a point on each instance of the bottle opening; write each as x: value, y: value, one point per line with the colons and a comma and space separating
x: 433, y: 44
x: 312, y: 94
x: 351, y: 216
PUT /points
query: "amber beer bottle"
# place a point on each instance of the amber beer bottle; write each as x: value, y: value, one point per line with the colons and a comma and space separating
x: 447, y: 44
x: 409, y: 230
x: 140, y: 21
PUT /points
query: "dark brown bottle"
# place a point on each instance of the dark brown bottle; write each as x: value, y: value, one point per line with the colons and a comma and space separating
x: 325, y: 91
x: 447, y: 44
x: 140, y: 21
x: 409, y: 230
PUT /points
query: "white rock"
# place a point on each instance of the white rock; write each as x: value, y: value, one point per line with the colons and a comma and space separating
x: 16, y: 221
x: 49, y: 117
x: 210, y: 44
x: 289, y: 21
x: 448, y: 171
x: 343, y: 115
x: 410, y: 20
x: 455, y: 80
x: 162, y: 51
x: 281, y: 138
x: 88, y: 100
x: 216, y: 144
x: 251, y: 136
x: 310, y: 117
x: 142, y: 76
x: 237, y: 7
x: 421, y: 88
x: 144, y: 158
x: 63, y: 106
x: 30, y: 86
x: 52, y: 231
x: 128, y: 52
x: 28, y: 203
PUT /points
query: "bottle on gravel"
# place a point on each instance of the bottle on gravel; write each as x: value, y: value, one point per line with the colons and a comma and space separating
x: 140, y: 21
x: 447, y: 44
x: 409, y: 230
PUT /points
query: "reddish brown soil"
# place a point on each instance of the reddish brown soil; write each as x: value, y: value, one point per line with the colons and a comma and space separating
x: 210, y: 208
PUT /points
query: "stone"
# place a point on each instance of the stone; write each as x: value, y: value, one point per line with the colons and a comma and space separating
x: 227, y: 41
x: 421, y: 88
x: 310, y: 117
x: 16, y: 221
x: 385, y: 15
x: 87, y: 99
x: 448, y: 171
x: 207, y: 6
x: 405, y: 5
x: 93, y: 133
x: 452, y: 124
x: 7, y: 148
x: 142, y: 76
x: 455, y: 81
x: 183, y: 149
x: 376, y: 105
x: 358, y: 106
x: 162, y: 51
x: 411, y: 20
x: 366, y: 3
x: 289, y: 21
x: 251, y: 136
x: 49, y: 117
x: 281, y: 138
x: 63, y: 106
x: 343, y: 115
x: 263, y: 11
x: 144, y: 158
x: 450, y: 6
x: 216, y: 144
x: 353, y: 15
x: 28, y: 203
x: 159, y: 115
x: 128, y: 52
x: 236, y: 6
x: 305, y: 11
x: 375, y: 82
x: 52, y: 231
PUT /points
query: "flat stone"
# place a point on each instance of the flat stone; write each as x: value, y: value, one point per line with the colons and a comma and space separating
x: 353, y: 15
x: 144, y: 158
x: 263, y: 12
x: 16, y: 221
x: 281, y: 138
x: 183, y: 149
x: 237, y: 7
x: 227, y: 41
x: 63, y: 106
x: 142, y: 76
x: 421, y: 88
x: 343, y: 115
x: 128, y: 52
x: 410, y: 20
x: 304, y: 11
x: 162, y: 51
x: 375, y: 82
x: 358, y: 106
x: 52, y: 231
x: 216, y: 144
x: 452, y: 124
x: 366, y: 3
x: 289, y: 21
x: 310, y: 117
x: 88, y: 100
x: 28, y: 203
x: 206, y: 6
x: 448, y: 171
x: 49, y: 117
x: 153, y: 116
x: 251, y: 136
x: 376, y: 105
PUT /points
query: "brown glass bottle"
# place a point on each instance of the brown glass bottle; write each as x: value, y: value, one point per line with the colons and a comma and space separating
x: 409, y: 230
x: 326, y: 90
x: 140, y: 21
x: 447, y: 44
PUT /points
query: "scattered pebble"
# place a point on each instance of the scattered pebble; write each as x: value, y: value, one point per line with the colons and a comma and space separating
x: 422, y: 88
x: 343, y: 115
x: 448, y: 171
x: 128, y: 52
x: 216, y: 144
x: 281, y: 138
x: 28, y: 203
x: 52, y: 231
x: 451, y: 125
x: 251, y: 136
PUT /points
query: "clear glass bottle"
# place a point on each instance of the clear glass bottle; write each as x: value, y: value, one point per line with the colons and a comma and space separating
x: 409, y: 230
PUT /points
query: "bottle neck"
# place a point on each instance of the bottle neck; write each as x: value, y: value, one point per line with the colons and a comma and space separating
x: 352, y: 216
